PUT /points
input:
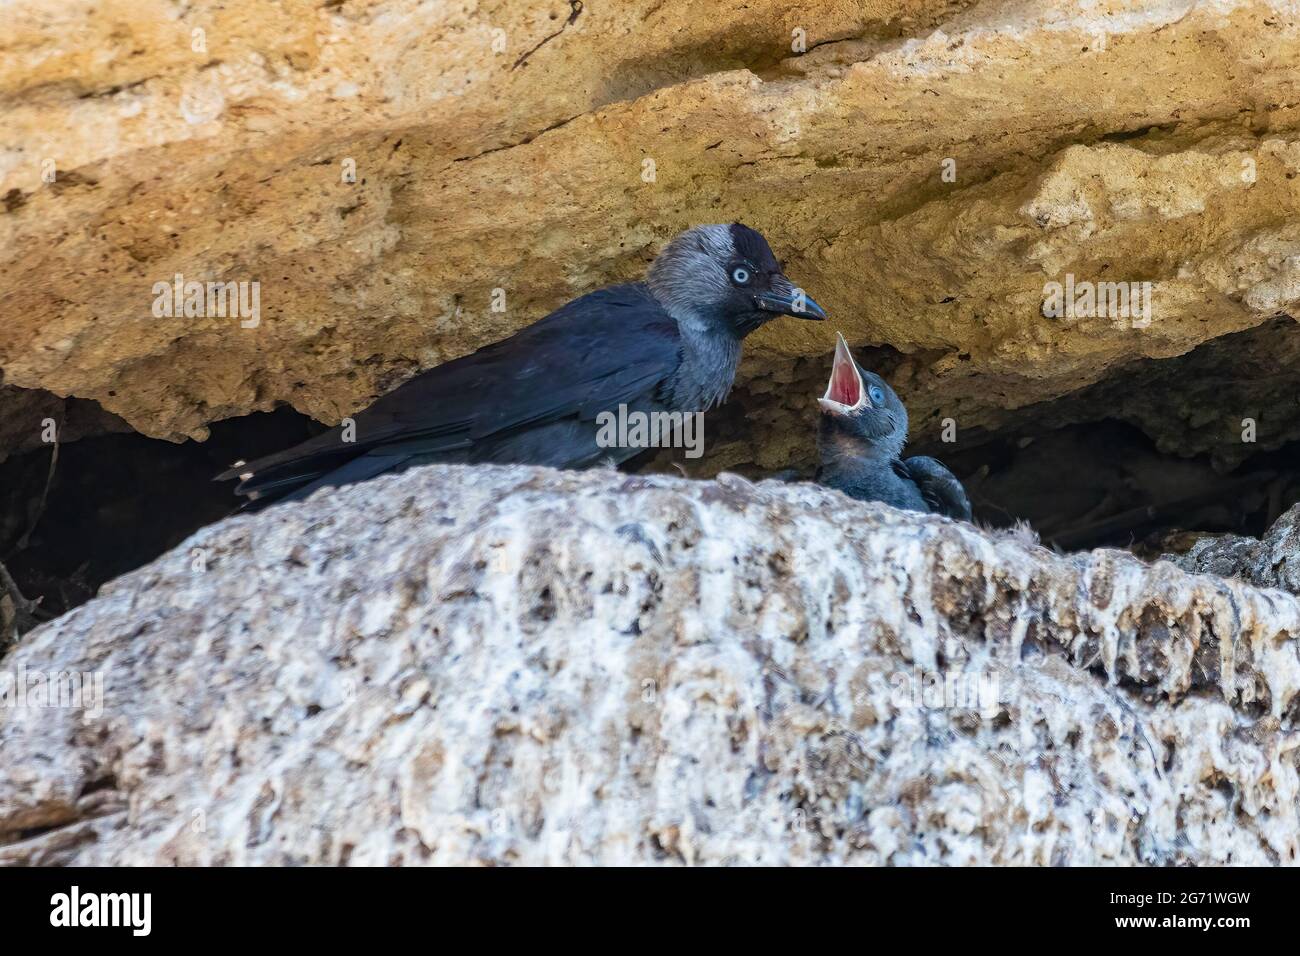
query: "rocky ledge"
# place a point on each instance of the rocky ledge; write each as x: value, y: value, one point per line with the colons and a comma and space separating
x: 515, y: 665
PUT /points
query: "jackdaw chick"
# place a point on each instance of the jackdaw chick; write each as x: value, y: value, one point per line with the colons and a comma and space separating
x: 860, y: 437
x: 670, y: 344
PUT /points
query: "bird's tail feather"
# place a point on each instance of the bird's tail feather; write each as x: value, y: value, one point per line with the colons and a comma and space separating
x: 358, y: 469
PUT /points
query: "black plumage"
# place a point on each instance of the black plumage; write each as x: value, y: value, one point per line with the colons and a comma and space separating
x: 671, y: 343
x: 860, y: 438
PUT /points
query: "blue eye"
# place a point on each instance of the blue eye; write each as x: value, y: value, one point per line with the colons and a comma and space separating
x: 877, y: 395
x: 740, y: 275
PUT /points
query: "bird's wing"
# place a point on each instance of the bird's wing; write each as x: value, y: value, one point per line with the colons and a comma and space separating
x: 612, y: 346
x: 938, y: 486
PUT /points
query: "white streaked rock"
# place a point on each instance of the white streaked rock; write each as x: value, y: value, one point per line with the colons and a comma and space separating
x: 519, y: 665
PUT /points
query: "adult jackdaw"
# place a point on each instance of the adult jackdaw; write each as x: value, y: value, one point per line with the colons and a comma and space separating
x: 861, y: 436
x: 668, y: 344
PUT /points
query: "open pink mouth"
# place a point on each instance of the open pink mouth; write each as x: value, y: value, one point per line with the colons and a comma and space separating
x: 844, y: 392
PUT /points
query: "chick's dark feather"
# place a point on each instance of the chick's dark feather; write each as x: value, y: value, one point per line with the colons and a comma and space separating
x: 941, y: 489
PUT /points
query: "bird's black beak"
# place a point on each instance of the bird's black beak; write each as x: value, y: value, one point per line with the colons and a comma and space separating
x: 845, y: 393
x: 784, y: 299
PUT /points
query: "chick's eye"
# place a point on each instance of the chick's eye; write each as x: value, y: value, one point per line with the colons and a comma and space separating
x: 877, y: 394
x: 740, y: 275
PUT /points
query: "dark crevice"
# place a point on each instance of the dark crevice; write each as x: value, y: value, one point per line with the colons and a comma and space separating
x: 575, y: 11
x: 112, y: 90
x: 1106, y: 483
x: 522, y: 142
x: 1158, y: 446
x: 1123, y: 136
x: 117, y: 501
x: 1129, y: 462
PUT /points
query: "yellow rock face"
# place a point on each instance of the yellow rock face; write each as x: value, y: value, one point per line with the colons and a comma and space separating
x: 389, y: 171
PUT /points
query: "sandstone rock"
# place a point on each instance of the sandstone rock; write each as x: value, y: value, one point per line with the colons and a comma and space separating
x: 33, y: 418
x: 507, y: 148
x: 511, y: 665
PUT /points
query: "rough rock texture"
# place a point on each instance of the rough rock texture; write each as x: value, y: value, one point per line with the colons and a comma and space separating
x: 504, y: 146
x: 31, y: 416
x: 1272, y: 561
x: 516, y: 665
